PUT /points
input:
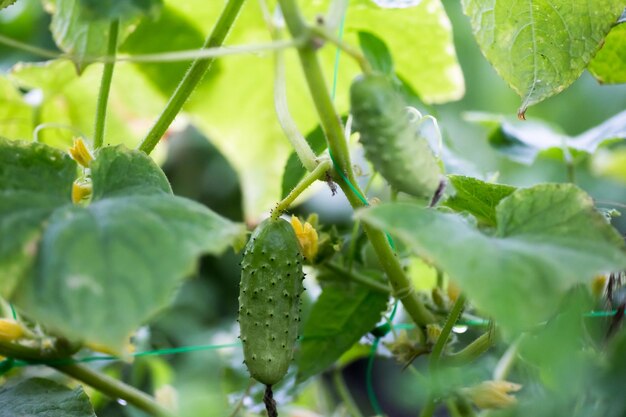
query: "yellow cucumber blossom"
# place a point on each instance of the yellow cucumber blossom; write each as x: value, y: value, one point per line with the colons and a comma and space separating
x: 80, y: 191
x: 80, y: 153
x: 307, y: 236
x: 492, y: 394
x: 10, y: 330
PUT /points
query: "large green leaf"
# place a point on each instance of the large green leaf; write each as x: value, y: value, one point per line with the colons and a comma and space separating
x: 38, y: 397
x: 609, y: 64
x: 130, y: 246
x: 477, y: 197
x: 340, y: 316
x: 549, y: 238
x: 34, y: 181
x: 540, y: 47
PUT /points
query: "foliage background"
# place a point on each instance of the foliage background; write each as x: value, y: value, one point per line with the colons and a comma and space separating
x: 205, y: 306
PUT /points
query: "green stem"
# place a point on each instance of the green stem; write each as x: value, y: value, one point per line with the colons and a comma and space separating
x: 305, y: 183
x: 105, y: 86
x: 358, y: 277
x: 472, y: 351
x: 300, y: 145
x: 351, y: 51
x: 437, y: 351
x: 344, y: 394
x: 192, y: 77
x: 107, y: 385
x: 114, y: 389
x: 338, y: 147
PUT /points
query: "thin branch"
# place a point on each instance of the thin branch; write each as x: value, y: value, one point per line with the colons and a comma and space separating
x: 105, y: 87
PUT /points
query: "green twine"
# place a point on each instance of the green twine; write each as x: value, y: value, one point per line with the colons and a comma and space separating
x: 379, y: 332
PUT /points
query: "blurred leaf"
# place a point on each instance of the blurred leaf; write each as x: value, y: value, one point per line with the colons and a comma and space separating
x: 549, y: 237
x: 609, y: 64
x: 294, y: 170
x: 34, y: 181
x: 522, y: 141
x: 38, y: 397
x: 16, y: 116
x: 75, y: 35
x: 340, y: 316
x: 131, y: 245
x: 477, y: 197
x: 610, y: 163
x: 376, y: 52
x: 116, y: 9
x: 6, y: 3
x: 540, y: 48
x: 155, y: 36
x: 246, y: 130
x: 69, y: 102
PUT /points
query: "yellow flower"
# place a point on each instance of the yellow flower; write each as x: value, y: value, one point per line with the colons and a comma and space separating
x: 597, y: 285
x: 307, y: 236
x: 492, y: 394
x: 453, y: 291
x: 433, y: 331
x: 80, y: 153
x: 80, y: 191
x: 10, y: 330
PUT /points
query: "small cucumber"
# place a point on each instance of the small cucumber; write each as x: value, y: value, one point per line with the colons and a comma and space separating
x: 391, y: 143
x: 269, y: 300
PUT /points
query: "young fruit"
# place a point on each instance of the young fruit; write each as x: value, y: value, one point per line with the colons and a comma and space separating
x: 391, y: 142
x: 269, y: 300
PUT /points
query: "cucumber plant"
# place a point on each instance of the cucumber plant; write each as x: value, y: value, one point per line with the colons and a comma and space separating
x: 505, y: 296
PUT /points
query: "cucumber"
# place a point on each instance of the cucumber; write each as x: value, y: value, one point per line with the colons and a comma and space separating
x: 269, y: 300
x: 391, y: 143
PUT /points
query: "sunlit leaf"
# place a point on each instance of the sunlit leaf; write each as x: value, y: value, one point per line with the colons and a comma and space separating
x: 540, y: 47
x: 609, y: 64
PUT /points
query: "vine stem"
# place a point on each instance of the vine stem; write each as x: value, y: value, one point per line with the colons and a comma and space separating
x: 344, y: 394
x: 105, y: 86
x: 435, y: 356
x: 192, y: 77
x: 107, y: 385
x: 309, y: 179
x: 338, y: 147
x: 323, y: 33
x: 114, y: 388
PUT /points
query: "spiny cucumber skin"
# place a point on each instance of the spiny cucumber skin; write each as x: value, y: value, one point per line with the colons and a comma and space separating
x: 391, y: 143
x: 269, y: 300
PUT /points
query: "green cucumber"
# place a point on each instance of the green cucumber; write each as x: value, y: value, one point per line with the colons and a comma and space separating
x: 391, y: 142
x: 269, y: 300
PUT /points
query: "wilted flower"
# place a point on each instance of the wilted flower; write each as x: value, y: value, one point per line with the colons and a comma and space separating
x: 492, y: 394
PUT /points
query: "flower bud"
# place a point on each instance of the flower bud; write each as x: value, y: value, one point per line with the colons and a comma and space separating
x: 80, y: 153
x: 80, y: 191
x: 10, y: 330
